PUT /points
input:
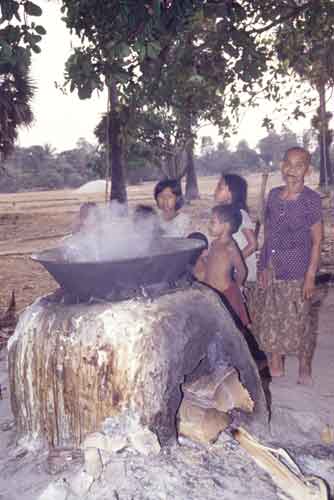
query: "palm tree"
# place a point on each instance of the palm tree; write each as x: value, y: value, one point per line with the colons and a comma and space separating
x: 16, y: 93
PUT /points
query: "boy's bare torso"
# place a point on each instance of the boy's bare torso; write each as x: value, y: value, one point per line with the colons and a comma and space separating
x: 220, y: 263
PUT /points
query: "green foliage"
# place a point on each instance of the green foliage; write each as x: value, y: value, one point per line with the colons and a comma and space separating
x: 269, y: 152
x: 307, y: 44
x: 32, y: 9
x: 217, y: 159
x: 40, y: 167
x: 174, y: 63
x: 16, y: 92
x: 18, y: 30
x: 307, y: 47
x: 19, y: 37
x: 118, y: 35
x: 273, y: 146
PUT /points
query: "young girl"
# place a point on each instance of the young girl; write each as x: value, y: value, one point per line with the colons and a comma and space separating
x: 168, y: 196
x: 232, y: 189
x: 288, y: 263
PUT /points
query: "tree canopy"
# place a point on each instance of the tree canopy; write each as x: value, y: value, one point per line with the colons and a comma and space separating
x: 20, y: 35
x: 306, y: 46
x: 169, y: 65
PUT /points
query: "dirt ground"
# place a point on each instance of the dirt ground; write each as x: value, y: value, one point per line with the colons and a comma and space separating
x: 30, y: 222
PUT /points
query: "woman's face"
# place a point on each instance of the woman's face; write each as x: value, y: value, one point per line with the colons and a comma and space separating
x: 222, y: 193
x: 167, y: 202
x: 294, y: 168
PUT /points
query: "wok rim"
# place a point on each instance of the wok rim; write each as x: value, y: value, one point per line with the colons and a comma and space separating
x: 36, y: 256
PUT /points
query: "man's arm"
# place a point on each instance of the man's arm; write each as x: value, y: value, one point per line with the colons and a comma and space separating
x: 309, y: 282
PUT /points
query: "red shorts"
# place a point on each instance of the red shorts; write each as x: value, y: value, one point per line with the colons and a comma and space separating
x: 234, y: 296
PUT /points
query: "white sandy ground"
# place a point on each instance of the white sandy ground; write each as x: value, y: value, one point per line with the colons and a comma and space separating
x: 186, y: 472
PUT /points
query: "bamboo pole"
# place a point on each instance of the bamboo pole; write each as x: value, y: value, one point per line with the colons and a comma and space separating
x: 108, y: 146
x: 261, y: 203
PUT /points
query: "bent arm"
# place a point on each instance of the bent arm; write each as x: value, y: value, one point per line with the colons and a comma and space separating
x: 251, y: 246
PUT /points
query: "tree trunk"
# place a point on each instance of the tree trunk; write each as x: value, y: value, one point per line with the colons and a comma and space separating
x: 192, y: 191
x: 170, y: 166
x: 118, y: 184
x: 326, y: 173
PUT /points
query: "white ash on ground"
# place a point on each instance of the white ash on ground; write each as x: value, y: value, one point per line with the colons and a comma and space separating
x: 186, y: 472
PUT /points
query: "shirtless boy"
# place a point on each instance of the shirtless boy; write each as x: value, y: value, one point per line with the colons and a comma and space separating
x: 225, y: 270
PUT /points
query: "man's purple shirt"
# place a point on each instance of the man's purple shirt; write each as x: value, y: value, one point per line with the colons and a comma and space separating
x: 288, y: 241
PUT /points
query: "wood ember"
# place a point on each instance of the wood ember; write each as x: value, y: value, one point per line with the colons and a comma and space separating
x: 221, y: 389
x: 203, y: 413
x: 8, y: 322
x: 201, y: 424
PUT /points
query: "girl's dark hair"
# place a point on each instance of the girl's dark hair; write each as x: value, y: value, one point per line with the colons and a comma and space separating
x: 230, y: 214
x: 175, y: 186
x: 237, y: 186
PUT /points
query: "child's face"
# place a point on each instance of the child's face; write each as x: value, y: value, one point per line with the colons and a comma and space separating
x: 222, y: 193
x: 167, y: 200
x: 216, y: 226
x: 294, y: 168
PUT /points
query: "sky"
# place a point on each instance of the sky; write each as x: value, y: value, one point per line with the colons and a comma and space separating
x: 60, y: 120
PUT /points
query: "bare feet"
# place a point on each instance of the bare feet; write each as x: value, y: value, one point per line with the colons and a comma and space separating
x: 305, y: 379
x: 276, y: 365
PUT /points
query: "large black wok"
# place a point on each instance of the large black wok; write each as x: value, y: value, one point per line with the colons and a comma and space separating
x: 170, y: 260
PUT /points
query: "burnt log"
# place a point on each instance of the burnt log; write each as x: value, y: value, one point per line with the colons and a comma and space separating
x: 72, y: 366
x: 8, y: 321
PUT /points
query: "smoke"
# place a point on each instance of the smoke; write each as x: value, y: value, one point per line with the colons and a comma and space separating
x: 108, y: 233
